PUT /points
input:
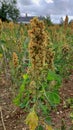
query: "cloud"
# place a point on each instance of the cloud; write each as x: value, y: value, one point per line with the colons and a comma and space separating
x: 34, y: 8
x: 46, y: 7
x: 61, y: 6
x: 25, y: 2
x: 49, y: 1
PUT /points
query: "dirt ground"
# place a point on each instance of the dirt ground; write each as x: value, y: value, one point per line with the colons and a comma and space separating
x: 14, y: 117
x: 65, y: 108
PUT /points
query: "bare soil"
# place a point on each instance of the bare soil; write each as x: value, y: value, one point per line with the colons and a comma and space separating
x: 61, y: 116
x: 14, y: 117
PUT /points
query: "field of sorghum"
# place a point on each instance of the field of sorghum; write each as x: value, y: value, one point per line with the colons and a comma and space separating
x: 36, y: 58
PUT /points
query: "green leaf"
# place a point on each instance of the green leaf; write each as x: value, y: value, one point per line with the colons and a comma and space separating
x: 39, y: 127
x: 53, y: 76
x: 2, y: 42
x: 25, y: 76
x: 23, y: 105
x: 54, y: 98
x: 71, y: 115
x: 48, y: 120
x: 19, y: 97
x: 25, y: 102
x: 22, y: 87
x: 16, y: 100
x: 44, y: 109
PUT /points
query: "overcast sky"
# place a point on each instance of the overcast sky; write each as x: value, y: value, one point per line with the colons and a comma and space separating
x: 46, y: 7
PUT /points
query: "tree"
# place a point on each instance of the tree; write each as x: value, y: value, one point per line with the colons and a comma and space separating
x: 48, y: 21
x: 61, y: 21
x: 8, y: 10
x: 71, y: 23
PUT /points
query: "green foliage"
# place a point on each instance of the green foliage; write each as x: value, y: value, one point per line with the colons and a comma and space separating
x: 48, y: 21
x: 43, y: 99
x: 54, y: 98
x: 68, y: 103
x: 19, y: 99
x: 61, y: 21
x: 52, y: 76
x: 8, y: 10
x: 40, y: 128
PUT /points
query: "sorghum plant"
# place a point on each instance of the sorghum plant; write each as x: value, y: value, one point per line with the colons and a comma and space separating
x: 37, y: 87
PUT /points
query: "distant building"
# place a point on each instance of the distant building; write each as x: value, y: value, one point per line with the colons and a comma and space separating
x: 26, y: 19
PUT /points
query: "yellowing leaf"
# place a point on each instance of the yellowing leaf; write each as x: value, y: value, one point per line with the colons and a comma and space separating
x: 32, y: 120
x: 48, y: 127
x: 25, y: 76
x: 1, y: 55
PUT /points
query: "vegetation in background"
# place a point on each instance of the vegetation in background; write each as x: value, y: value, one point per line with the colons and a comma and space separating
x: 48, y: 21
x: 8, y: 10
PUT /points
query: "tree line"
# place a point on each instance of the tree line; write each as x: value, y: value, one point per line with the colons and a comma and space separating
x: 9, y: 10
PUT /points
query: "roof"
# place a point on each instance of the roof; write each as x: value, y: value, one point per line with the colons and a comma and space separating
x: 27, y: 19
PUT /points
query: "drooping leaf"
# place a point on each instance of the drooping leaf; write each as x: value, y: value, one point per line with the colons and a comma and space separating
x: 48, y: 127
x: 32, y: 120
